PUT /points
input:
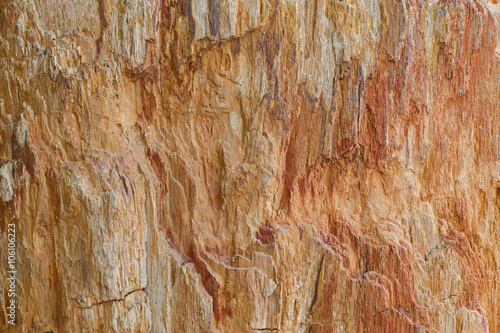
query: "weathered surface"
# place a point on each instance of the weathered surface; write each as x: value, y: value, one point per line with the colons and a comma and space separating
x: 232, y: 165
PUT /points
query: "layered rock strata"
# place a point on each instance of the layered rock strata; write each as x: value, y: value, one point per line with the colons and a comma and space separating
x: 239, y: 166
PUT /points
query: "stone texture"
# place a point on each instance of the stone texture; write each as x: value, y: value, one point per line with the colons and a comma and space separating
x: 238, y: 166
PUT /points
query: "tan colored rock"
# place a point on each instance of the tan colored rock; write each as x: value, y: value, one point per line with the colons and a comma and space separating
x: 238, y: 166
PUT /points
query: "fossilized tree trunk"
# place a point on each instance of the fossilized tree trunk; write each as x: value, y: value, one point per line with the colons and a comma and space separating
x: 240, y: 165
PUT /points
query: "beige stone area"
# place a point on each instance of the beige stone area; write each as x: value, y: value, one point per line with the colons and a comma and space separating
x: 244, y: 166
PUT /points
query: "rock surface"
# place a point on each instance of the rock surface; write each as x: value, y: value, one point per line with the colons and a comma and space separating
x: 262, y: 165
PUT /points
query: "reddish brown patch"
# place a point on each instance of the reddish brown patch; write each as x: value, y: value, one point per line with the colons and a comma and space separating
x: 291, y: 170
x: 212, y: 286
x: 266, y: 235
x: 268, y: 45
x: 381, y: 275
x: 160, y: 170
x: 345, y: 145
x: 166, y: 14
x: 158, y: 165
x: 26, y: 155
x: 148, y: 104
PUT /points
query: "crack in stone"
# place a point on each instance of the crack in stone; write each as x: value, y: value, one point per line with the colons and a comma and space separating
x: 316, y: 287
x: 115, y: 299
x: 400, y: 309
x: 104, y: 25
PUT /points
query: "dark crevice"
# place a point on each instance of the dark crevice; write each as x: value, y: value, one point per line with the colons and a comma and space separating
x: 104, y: 25
x: 316, y: 287
x: 115, y: 299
